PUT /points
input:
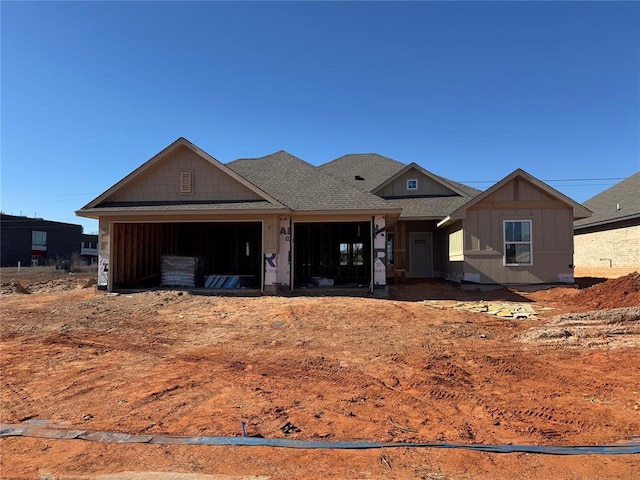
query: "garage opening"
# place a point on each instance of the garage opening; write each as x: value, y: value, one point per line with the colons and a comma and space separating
x: 224, y: 249
x: 332, y: 254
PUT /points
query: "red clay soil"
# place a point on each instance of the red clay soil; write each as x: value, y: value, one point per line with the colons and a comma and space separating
x: 614, y: 293
x: 409, y: 368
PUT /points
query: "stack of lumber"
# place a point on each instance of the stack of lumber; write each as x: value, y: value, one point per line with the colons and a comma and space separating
x: 181, y: 271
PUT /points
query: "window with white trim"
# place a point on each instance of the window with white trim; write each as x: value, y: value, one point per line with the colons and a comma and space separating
x: 412, y: 184
x: 517, y: 242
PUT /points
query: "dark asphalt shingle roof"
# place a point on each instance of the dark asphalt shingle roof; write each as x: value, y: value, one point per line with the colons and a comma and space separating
x: 470, y: 191
x: 301, y: 186
x: 376, y: 169
x: 435, y: 208
x: 373, y: 168
x: 626, y: 194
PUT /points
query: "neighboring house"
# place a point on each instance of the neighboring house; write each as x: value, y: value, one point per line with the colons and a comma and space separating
x: 35, y: 241
x: 608, y: 243
x: 89, y: 249
x: 278, y: 222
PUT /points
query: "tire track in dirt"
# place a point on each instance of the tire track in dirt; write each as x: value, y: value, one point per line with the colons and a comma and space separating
x: 337, y: 368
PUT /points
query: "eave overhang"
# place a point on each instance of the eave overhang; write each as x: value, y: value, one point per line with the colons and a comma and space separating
x: 610, y: 221
x: 579, y: 211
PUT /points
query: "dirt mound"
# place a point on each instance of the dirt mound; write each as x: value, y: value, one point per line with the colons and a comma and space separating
x: 614, y: 293
x: 43, y: 280
x: 13, y: 287
x: 63, y: 283
x: 611, y: 328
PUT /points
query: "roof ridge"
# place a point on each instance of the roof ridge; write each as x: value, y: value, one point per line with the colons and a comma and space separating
x: 306, y: 192
x: 266, y: 156
x: 361, y: 154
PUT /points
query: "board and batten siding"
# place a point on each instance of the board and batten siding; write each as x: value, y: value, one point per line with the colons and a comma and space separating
x: 453, y: 242
x: 456, y: 245
x: 551, y: 231
x: 426, y: 186
x: 165, y: 182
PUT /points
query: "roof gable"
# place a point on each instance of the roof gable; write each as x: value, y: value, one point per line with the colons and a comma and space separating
x: 159, y: 180
x: 505, y: 191
x: 618, y: 203
x: 370, y: 171
x: 428, y: 184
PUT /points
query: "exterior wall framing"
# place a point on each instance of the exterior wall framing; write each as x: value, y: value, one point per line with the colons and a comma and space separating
x: 119, y: 262
x: 377, y: 269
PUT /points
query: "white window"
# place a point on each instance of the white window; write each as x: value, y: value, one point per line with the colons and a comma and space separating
x: 186, y: 182
x: 412, y: 184
x: 38, y: 239
x: 517, y: 242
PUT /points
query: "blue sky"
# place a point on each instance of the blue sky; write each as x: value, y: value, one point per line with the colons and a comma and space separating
x: 468, y: 90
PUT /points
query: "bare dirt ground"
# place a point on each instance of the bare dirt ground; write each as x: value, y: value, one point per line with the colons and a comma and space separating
x: 410, y: 368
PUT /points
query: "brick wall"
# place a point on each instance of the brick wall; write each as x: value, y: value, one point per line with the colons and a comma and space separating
x: 608, y: 251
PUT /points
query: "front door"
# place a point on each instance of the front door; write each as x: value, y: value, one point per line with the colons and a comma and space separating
x: 420, y: 255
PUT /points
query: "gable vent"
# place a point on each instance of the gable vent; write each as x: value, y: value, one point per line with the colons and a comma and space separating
x: 186, y: 183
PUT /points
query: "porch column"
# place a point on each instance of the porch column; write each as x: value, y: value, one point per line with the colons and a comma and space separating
x: 284, y: 252
x: 379, y: 251
x: 104, y: 243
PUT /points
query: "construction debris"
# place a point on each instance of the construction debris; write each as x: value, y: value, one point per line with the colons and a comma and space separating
x: 289, y: 427
x: 499, y: 309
